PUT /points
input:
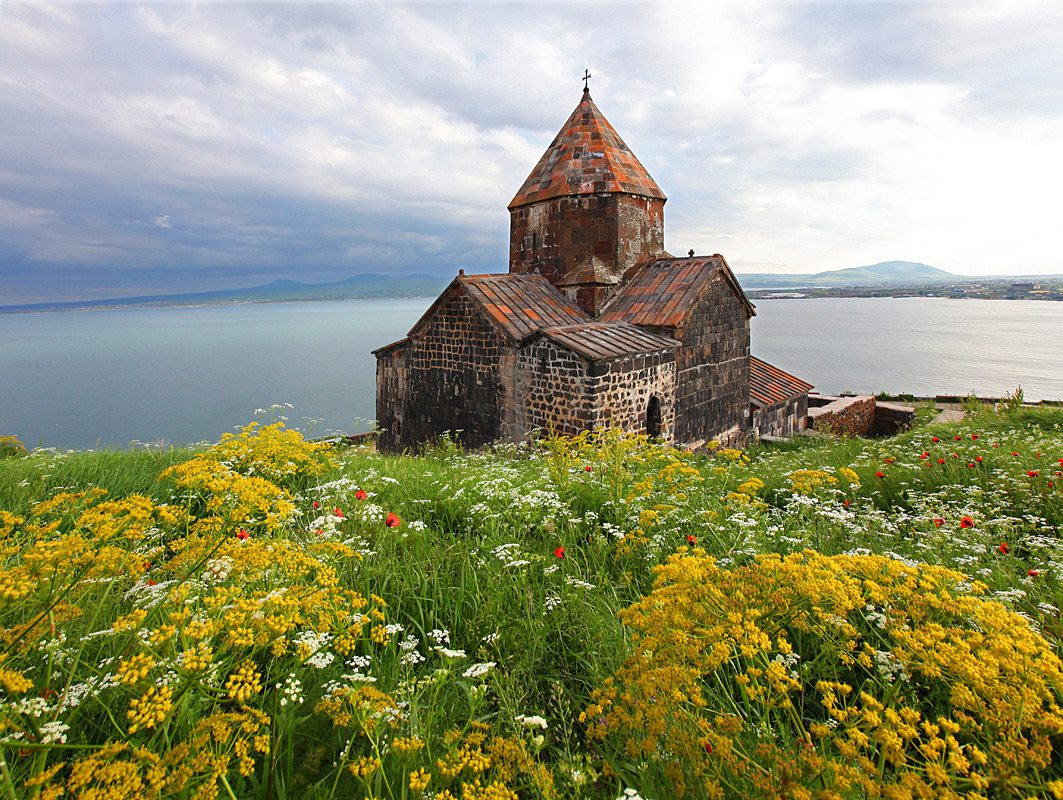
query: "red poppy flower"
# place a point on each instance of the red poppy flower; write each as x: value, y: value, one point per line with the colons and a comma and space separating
x: 692, y: 539
x: 587, y: 468
x: 925, y: 455
x: 1032, y: 473
x: 941, y: 461
x: 559, y: 552
x: 336, y: 512
x: 151, y: 582
x: 1061, y: 461
x: 934, y: 439
x: 1004, y: 548
x: 938, y: 522
x: 970, y: 465
x: 958, y: 437
x: 1032, y: 573
x: 974, y: 437
x: 360, y: 495
x: 978, y: 459
x: 393, y: 520
x: 955, y: 455
x: 320, y: 531
x: 996, y: 444
x: 1014, y: 453
x: 708, y: 748
x: 845, y: 503
x: 315, y: 504
x: 889, y: 460
x: 242, y: 534
x: 966, y: 522
x: 880, y: 474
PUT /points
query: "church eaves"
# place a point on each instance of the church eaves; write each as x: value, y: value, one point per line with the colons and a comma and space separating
x: 586, y: 157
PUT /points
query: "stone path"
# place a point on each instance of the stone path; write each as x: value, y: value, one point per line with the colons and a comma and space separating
x: 949, y: 415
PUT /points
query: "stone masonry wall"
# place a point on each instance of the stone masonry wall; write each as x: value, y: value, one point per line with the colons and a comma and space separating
x: 781, y: 419
x: 712, y: 369
x: 559, y: 391
x: 622, y: 389
x: 846, y: 416
x: 456, y: 378
x: 556, y: 236
x: 552, y: 390
x: 392, y: 378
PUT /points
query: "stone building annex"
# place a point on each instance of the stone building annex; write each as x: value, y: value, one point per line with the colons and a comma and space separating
x: 593, y: 325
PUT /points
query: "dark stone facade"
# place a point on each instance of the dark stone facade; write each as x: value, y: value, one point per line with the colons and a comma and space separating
x: 453, y: 375
x: 712, y: 365
x: 561, y: 392
x: 784, y: 419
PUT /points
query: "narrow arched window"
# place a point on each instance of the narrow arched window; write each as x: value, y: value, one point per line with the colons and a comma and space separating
x: 653, y: 418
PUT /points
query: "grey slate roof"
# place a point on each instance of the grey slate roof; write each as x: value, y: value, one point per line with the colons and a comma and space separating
x: 599, y: 341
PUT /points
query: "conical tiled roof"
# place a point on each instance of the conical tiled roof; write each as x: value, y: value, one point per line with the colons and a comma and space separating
x: 586, y: 157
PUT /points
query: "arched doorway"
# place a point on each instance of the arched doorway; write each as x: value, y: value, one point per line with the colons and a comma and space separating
x: 653, y: 418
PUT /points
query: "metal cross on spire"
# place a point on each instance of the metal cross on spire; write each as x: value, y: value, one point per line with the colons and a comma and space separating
x: 586, y: 77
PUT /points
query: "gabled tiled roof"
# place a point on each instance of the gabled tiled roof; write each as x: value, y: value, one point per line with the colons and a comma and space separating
x: 517, y: 304
x: 769, y: 385
x: 599, y: 341
x: 586, y: 157
x: 665, y: 290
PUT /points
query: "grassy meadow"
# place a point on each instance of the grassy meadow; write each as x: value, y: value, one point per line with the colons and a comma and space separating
x: 601, y: 617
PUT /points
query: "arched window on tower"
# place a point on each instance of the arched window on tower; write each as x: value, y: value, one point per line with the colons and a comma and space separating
x: 653, y: 418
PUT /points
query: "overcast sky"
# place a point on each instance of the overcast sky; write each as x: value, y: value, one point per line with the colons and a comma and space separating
x: 191, y: 146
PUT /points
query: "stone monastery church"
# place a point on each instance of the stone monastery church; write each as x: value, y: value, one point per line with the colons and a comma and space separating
x: 593, y: 325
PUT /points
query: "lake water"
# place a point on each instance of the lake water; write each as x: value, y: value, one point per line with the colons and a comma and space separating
x: 100, y: 378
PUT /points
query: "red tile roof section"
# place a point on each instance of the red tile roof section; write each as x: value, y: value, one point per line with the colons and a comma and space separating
x: 519, y: 305
x: 769, y: 385
x: 586, y: 157
x: 600, y: 341
x: 664, y: 291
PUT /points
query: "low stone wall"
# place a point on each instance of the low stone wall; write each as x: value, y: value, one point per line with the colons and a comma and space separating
x: 891, y: 418
x: 846, y: 416
x: 860, y: 415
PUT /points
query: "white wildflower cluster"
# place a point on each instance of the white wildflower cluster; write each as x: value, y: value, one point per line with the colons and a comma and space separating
x: 448, y: 652
x: 325, y: 525
x: 531, y: 721
x: 631, y: 794
x: 889, y: 666
x: 1010, y: 595
x: 291, y: 691
x: 478, y: 670
x: 217, y: 570
x: 875, y: 617
x: 789, y: 662
x: 510, y: 555
x: 439, y: 636
x: 551, y: 602
x: 572, y: 581
x: 314, y: 644
x: 54, y: 732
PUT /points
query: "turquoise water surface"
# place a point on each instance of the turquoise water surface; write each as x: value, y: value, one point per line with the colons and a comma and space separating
x: 103, y: 378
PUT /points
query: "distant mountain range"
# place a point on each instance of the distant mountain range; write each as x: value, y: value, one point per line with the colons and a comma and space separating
x: 374, y: 285
x: 366, y: 285
x: 882, y: 274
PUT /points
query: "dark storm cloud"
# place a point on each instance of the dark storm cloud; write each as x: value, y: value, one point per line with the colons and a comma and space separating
x: 182, y: 145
